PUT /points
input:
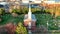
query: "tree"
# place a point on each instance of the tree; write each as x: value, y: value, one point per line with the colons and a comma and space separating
x: 10, y: 27
x: 57, y: 11
x: 21, y: 29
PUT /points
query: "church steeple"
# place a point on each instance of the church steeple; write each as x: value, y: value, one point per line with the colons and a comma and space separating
x: 29, y: 13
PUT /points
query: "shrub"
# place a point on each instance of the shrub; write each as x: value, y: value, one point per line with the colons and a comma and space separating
x: 14, y: 14
x: 35, y: 10
x: 21, y: 29
x: 16, y: 11
x: 25, y: 10
x: 2, y: 11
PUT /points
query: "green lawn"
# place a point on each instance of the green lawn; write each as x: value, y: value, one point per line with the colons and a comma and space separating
x: 41, y: 20
x: 9, y: 18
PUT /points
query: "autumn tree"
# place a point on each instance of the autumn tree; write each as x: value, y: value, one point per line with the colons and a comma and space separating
x: 21, y: 29
x: 10, y: 28
x: 57, y: 10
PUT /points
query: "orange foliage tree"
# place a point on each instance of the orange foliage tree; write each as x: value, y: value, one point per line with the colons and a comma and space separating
x: 10, y: 28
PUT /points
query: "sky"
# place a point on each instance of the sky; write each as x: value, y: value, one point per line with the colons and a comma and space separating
x: 49, y: 1
x: 57, y: 0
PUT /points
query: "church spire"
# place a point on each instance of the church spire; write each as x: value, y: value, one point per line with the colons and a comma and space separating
x: 29, y: 13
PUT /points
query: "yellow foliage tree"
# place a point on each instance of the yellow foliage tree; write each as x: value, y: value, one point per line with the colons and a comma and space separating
x: 20, y: 29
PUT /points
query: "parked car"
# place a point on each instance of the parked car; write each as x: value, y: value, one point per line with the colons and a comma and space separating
x: 5, y: 6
